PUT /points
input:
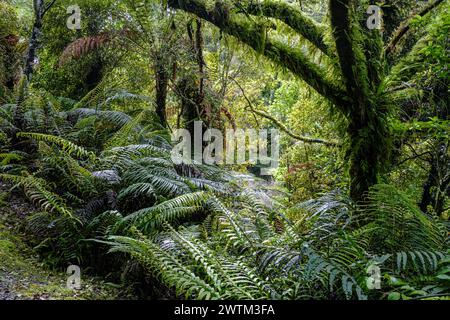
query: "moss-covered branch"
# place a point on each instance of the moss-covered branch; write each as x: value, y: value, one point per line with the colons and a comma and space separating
x: 351, y: 58
x: 294, y: 18
x: 255, y: 36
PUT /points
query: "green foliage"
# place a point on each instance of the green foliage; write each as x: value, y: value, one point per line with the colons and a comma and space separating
x: 330, y: 261
x: 36, y: 190
x: 399, y: 221
x: 168, y: 211
x: 86, y: 146
x: 66, y: 145
x: 9, y: 21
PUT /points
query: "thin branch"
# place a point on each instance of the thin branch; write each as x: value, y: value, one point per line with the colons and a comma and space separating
x: 405, y: 26
x: 280, y: 125
x: 419, y: 156
x: 230, y: 117
x: 48, y: 7
x: 245, y: 97
x: 283, y: 128
x: 414, y: 157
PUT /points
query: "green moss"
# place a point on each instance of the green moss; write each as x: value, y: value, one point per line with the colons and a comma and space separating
x: 294, y: 18
x: 54, y: 288
x: 22, y: 275
x: 251, y: 33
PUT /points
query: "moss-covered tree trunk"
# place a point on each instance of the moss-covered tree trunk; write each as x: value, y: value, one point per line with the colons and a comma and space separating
x: 437, y: 186
x: 40, y: 9
x: 365, y: 130
x: 367, y: 151
x: 161, y: 83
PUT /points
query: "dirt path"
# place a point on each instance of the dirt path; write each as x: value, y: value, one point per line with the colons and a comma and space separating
x: 266, y: 190
x: 22, y: 275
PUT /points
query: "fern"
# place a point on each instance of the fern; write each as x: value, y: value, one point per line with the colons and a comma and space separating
x: 400, y: 222
x: 37, y: 192
x: 66, y: 145
x: 168, y: 211
x: 418, y: 261
x: 219, y: 276
x: 165, y: 265
x: 84, y: 45
x: 115, y: 117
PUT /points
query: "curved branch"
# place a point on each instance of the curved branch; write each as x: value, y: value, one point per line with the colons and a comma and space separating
x: 280, y: 125
x: 294, y: 18
x: 404, y: 27
x: 283, y: 128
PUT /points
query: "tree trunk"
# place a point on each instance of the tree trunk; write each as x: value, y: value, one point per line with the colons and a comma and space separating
x: 39, y: 10
x: 161, y: 82
x: 200, y: 61
x: 364, y: 160
x: 437, y: 185
x: 188, y: 92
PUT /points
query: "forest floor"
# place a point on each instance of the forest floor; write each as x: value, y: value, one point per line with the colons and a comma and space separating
x: 22, y: 275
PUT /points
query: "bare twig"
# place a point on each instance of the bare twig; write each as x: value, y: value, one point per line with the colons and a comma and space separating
x: 280, y: 125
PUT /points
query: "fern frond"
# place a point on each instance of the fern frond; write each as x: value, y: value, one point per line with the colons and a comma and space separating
x: 84, y: 45
x: 162, y: 263
x: 37, y: 193
x: 66, y: 145
x: 168, y: 211
x: 115, y: 117
x: 400, y: 222
x: 136, y: 190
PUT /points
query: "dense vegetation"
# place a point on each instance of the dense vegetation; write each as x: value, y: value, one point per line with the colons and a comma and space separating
x: 363, y: 182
